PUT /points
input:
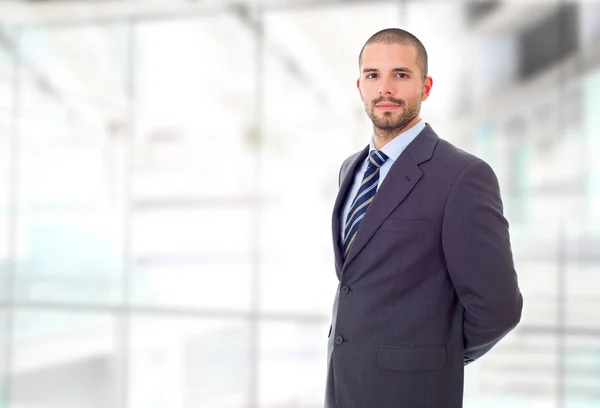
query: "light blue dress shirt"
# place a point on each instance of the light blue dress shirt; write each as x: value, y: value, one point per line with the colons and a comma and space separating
x: 392, y: 149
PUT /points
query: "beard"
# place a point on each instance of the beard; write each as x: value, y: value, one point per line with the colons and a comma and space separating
x: 390, y: 121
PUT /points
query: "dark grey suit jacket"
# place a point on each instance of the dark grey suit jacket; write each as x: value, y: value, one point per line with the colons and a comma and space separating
x: 428, y: 285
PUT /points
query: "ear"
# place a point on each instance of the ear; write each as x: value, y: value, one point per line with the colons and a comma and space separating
x: 427, y: 84
x: 362, y: 98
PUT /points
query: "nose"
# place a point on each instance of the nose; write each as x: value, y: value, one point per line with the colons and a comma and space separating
x: 385, y: 87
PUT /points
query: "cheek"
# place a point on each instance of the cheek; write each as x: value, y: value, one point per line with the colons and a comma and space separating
x: 368, y: 97
x: 409, y: 89
x: 410, y: 93
x: 369, y: 91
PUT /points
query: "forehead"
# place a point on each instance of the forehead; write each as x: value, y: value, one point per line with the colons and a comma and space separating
x: 388, y: 56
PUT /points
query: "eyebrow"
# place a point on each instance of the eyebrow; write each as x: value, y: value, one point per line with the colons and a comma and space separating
x: 399, y: 69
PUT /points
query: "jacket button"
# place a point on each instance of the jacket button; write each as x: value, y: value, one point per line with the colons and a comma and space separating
x: 345, y: 290
x: 339, y: 339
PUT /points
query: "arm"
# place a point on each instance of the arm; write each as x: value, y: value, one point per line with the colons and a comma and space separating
x: 478, y: 255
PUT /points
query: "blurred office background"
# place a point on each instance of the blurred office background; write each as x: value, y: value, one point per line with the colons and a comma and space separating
x: 168, y: 171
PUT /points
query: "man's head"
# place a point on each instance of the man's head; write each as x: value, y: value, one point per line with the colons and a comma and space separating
x: 393, y: 79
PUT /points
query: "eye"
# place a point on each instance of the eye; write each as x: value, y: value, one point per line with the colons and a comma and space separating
x: 371, y: 75
x: 402, y: 75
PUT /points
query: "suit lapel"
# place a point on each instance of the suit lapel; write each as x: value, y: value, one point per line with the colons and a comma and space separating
x: 339, y: 204
x: 399, y: 182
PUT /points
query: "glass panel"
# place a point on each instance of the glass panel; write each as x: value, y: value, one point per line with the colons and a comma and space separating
x: 194, y: 186
x: 591, y: 104
x: 192, y: 257
x: 530, y: 117
x: 292, y: 364
x: 4, y: 339
x: 6, y: 133
x: 494, y: 381
x: 73, y: 112
x: 64, y: 359
x: 194, y: 111
x: 195, y: 196
x: 581, y: 371
x: 313, y: 120
x: 188, y: 363
x: 291, y: 269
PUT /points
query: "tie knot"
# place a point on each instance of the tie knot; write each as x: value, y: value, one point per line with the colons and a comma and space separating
x: 377, y: 158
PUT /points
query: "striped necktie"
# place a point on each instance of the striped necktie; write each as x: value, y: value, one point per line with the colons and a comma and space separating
x: 363, y: 198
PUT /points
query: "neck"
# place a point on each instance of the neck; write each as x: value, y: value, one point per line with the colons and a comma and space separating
x: 384, y: 136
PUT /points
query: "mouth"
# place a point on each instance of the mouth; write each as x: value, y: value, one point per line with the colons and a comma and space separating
x: 387, y: 106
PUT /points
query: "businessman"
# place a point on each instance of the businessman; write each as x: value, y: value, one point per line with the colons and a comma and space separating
x: 427, y: 283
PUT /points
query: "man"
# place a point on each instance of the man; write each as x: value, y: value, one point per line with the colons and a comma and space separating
x: 422, y: 249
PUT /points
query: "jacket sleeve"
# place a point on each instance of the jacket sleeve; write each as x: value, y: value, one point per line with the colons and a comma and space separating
x: 476, y: 243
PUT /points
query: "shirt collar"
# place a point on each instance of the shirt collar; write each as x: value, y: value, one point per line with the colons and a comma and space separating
x: 396, y: 146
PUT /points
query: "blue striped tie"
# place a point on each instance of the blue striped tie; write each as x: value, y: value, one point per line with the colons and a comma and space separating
x: 363, y: 198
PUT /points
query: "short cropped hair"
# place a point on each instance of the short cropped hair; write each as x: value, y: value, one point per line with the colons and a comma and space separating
x: 402, y: 37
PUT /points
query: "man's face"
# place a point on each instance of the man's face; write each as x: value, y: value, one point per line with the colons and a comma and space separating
x: 391, y: 85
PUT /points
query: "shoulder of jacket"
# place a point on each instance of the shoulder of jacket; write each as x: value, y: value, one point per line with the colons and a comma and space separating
x: 346, y: 167
x: 459, y: 158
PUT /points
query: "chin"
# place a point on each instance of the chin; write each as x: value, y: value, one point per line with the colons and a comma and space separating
x: 386, y: 117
